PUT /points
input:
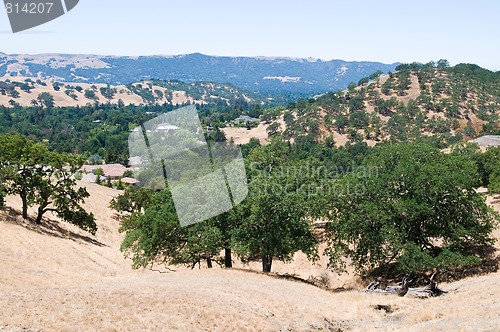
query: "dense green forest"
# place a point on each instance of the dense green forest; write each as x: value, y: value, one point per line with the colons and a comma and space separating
x: 102, y: 129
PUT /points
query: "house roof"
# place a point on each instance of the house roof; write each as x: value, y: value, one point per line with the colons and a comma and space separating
x: 129, y: 181
x: 92, y: 178
x: 115, y: 172
x: 166, y: 127
x: 89, y: 168
x: 247, y: 118
x: 111, y: 170
x: 488, y: 140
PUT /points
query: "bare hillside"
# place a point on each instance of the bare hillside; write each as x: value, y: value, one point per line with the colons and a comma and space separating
x: 57, y: 278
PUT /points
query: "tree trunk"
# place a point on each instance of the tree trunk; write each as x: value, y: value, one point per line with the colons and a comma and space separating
x: 25, y: 205
x: 431, y: 290
x: 209, y: 262
x: 228, y: 262
x: 267, y: 261
x: 41, y: 212
x: 39, y: 215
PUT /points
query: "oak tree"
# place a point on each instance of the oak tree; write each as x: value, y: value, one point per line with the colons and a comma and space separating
x: 44, y: 179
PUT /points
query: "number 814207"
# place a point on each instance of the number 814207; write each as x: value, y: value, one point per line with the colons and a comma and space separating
x: 29, y: 8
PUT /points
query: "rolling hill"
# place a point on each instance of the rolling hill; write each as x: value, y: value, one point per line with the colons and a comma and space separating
x: 418, y: 102
x: 57, y: 278
x: 23, y: 91
x: 275, y: 77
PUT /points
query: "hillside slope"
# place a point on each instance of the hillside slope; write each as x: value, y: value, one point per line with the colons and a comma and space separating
x: 416, y: 102
x: 56, y: 278
x: 24, y: 91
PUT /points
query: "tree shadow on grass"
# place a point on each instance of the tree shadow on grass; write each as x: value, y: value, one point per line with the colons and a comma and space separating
x: 294, y: 278
x: 47, y: 227
x: 489, y: 263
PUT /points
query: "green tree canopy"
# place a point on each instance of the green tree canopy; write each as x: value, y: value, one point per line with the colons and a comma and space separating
x: 281, y: 204
x: 421, y: 203
x: 44, y: 179
x: 274, y: 221
x: 46, y: 99
x: 154, y: 234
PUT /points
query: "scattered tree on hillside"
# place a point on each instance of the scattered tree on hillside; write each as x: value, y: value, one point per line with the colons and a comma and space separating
x: 46, y: 99
x: 133, y: 200
x: 44, y: 179
x: 278, y: 212
x: 403, y: 84
x: 14, y: 93
x: 90, y: 94
x: 273, y: 129
x: 442, y: 64
x: 420, y: 212
x: 387, y: 86
x: 217, y: 135
x: 26, y: 87
x: 108, y: 92
x: 276, y: 225
x: 153, y: 233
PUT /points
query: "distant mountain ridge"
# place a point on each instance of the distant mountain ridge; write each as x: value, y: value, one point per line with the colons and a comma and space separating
x: 269, y: 76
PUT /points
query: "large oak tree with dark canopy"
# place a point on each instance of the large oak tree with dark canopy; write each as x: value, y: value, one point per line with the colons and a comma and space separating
x: 420, y: 211
x: 43, y: 178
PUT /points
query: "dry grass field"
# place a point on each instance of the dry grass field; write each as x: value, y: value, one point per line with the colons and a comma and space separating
x: 57, y: 278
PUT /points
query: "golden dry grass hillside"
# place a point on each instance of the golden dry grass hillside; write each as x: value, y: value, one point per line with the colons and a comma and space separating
x: 412, y: 104
x: 24, y: 90
x: 58, y: 278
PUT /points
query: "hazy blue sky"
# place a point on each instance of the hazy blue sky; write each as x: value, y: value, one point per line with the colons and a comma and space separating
x: 378, y: 30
